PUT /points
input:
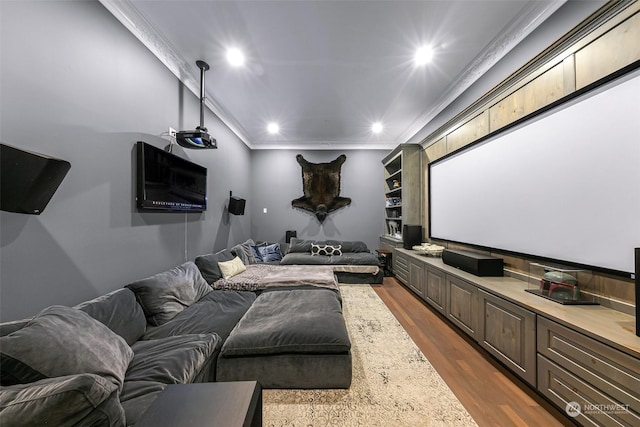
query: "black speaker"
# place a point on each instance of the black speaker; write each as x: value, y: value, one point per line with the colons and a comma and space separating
x: 236, y: 205
x: 638, y: 292
x: 474, y: 263
x: 289, y: 234
x: 28, y: 180
x: 411, y: 235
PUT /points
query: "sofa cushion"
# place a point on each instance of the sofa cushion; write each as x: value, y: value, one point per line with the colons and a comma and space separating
x: 244, y: 251
x: 137, y: 396
x: 290, y: 321
x: 217, y: 312
x: 166, y: 294
x: 172, y: 360
x: 355, y: 246
x: 119, y: 311
x: 347, y: 258
x: 300, y: 245
x: 78, y: 400
x: 232, y: 268
x: 208, y: 264
x: 63, y: 341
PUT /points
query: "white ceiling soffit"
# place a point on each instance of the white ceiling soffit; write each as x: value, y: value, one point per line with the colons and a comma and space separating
x: 532, y: 14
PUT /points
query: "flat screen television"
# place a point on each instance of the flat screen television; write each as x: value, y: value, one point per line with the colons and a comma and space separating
x: 166, y: 182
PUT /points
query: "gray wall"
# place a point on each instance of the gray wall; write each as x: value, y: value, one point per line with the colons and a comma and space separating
x: 76, y: 85
x: 276, y: 179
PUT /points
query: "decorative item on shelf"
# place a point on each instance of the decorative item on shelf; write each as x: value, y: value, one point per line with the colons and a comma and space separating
x: 429, y: 249
x: 560, y: 283
x: 391, y: 202
x: 396, y: 183
x: 394, y: 229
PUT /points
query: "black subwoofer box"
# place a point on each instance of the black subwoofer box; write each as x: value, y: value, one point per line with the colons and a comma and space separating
x: 411, y: 235
x: 474, y: 263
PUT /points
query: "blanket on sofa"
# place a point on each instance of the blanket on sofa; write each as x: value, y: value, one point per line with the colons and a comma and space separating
x: 265, y: 276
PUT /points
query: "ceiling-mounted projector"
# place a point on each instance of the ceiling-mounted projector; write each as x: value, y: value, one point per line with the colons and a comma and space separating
x: 198, y: 138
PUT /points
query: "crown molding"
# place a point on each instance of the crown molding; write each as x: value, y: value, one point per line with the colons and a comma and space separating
x: 532, y: 16
x: 325, y: 145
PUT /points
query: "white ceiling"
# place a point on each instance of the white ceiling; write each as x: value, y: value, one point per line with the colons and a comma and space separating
x: 326, y: 70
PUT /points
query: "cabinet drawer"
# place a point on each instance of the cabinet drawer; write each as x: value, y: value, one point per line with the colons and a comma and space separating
x: 462, y: 305
x: 611, y: 371
x: 400, y: 267
x: 508, y: 332
x: 596, y: 408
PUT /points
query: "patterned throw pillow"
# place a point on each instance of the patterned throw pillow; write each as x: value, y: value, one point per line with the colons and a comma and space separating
x: 326, y: 250
x: 270, y: 253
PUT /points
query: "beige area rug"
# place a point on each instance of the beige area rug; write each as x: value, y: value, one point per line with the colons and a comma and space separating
x: 394, y: 385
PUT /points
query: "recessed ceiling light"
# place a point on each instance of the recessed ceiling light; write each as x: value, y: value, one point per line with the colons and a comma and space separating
x: 423, y: 55
x: 273, y: 128
x: 235, y: 57
x: 376, y: 127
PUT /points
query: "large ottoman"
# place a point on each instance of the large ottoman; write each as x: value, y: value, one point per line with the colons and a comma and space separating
x: 290, y: 339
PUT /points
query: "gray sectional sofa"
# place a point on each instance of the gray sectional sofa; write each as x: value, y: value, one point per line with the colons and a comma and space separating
x: 352, y: 261
x: 104, y: 361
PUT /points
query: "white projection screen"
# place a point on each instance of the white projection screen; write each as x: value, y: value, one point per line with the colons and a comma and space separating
x: 564, y: 185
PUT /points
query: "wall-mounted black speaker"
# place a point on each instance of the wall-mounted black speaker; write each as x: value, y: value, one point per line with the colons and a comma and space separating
x: 637, y: 291
x: 236, y: 205
x: 411, y: 235
x: 28, y: 180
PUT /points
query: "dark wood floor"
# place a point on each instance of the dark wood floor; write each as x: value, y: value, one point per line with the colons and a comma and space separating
x: 492, y: 395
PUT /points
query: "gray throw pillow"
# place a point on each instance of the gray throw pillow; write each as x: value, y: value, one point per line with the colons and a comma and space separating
x: 120, y: 312
x: 208, y: 264
x: 164, y: 295
x: 63, y: 341
x: 300, y: 245
x: 245, y: 252
x: 78, y: 400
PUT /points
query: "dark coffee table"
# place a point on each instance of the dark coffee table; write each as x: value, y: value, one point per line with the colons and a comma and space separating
x: 225, y: 404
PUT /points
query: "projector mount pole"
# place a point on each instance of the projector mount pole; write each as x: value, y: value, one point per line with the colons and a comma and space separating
x: 203, y: 68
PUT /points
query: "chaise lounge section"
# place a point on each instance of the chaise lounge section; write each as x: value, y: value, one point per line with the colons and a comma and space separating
x: 104, y: 361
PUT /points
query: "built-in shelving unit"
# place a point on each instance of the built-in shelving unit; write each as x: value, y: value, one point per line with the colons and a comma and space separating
x: 402, y: 191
